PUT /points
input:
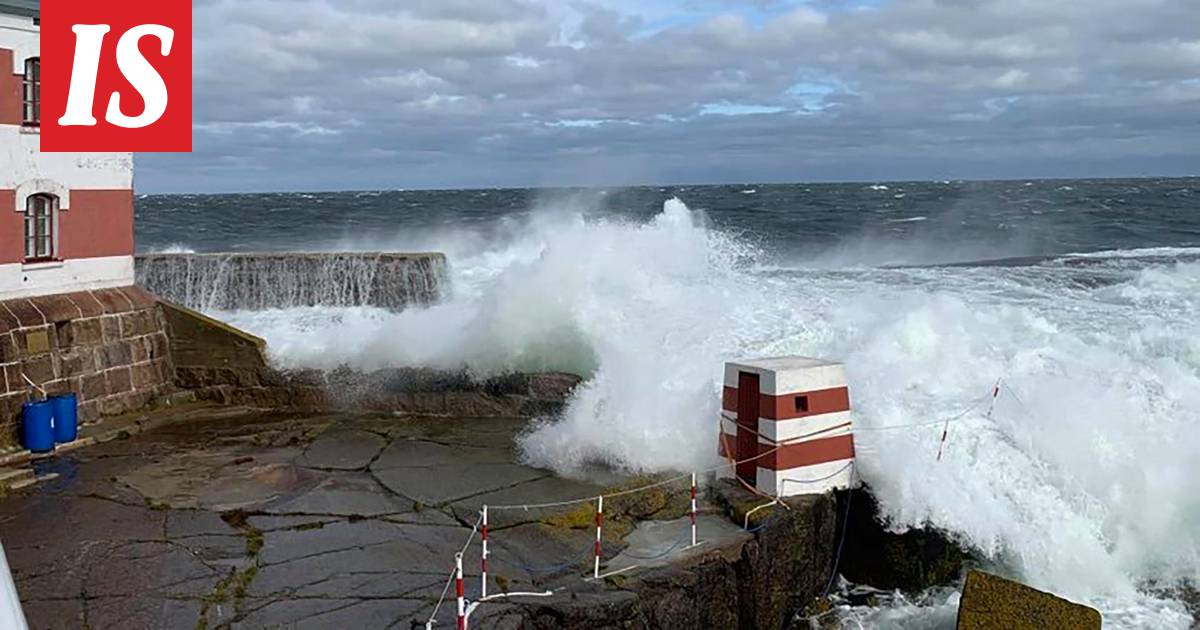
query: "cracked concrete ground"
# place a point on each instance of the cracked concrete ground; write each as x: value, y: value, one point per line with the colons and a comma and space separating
x: 245, y: 520
x: 252, y: 521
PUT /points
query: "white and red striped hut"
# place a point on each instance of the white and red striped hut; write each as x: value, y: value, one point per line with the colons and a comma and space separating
x: 786, y: 422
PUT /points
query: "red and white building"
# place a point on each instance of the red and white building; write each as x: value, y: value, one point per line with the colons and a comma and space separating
x: 786, y: 423
x: 66, y: 219
x: 71, y: 319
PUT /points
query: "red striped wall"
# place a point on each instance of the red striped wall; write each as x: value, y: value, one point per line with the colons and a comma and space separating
x: 784, y: 407
x: 12, y: 229
x: 98, y: 223
x: 791, y: 456
x: 12, y: 103
x: 808, y: 453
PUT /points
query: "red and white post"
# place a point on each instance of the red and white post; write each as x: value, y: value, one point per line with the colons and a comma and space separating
x: 458, y: 589
x: 483, y: 557
x: 599, y: 527
x: 693, y: 509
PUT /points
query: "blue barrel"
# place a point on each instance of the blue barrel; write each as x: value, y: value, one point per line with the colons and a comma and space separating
x: 36, y: 431
x: 66, y: 417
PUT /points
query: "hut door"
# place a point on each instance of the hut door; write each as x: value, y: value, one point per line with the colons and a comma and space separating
x: 747, y: 420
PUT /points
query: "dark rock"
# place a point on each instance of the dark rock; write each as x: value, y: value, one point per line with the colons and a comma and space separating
x: 912, y: 561
x: 759, y: 583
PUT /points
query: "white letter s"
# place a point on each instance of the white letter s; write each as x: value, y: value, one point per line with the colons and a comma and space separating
x: 144, y: 78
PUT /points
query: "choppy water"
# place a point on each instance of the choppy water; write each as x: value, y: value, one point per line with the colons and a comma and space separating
x: 1083, y: 479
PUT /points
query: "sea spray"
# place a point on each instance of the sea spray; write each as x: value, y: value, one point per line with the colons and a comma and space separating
x: 1083, y: 479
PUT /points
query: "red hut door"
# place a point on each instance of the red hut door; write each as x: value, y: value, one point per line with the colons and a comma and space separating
x: 747, y: 420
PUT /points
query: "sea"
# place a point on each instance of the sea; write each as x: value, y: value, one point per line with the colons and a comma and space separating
x: 1080, y: 299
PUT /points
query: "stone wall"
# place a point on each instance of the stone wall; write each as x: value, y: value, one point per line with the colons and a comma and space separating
x: 226, y: 365
x: 108, y: 346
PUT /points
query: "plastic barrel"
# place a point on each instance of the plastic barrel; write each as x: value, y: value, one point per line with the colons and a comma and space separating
x: 36, y: 432
x: 66, y: 417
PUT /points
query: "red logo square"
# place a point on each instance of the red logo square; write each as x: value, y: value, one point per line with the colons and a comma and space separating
x: 116, y: 76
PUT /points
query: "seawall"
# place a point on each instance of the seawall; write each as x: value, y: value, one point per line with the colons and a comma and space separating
x: 257, y: 281
x: 109, y: 347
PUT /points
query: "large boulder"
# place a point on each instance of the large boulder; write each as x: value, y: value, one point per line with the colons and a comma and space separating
x: 990, y: 602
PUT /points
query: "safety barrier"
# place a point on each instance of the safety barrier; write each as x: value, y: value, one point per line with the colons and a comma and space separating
x: 465, y: 607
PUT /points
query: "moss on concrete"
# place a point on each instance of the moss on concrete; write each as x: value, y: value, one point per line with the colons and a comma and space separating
x: 622, y: 513
x: 236, y: 585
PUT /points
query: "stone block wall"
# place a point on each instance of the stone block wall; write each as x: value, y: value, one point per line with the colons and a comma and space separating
x: 108, y: 346
x: 223, y: 364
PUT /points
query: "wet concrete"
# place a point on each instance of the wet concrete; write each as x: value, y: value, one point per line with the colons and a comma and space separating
x: 324, y: 521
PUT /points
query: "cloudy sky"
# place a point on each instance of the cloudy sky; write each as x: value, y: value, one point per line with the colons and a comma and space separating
x: 370, y: 94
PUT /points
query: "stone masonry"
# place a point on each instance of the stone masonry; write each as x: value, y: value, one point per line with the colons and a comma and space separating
x: 108, y: 346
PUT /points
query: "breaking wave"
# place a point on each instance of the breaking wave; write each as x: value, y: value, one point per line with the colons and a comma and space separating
x: 1082, y: 480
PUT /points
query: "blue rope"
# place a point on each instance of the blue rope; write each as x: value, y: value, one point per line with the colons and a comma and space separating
x: 837, y: 558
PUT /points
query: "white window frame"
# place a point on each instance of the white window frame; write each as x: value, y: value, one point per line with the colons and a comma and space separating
x: 31, y: 93
x: 42, y: 245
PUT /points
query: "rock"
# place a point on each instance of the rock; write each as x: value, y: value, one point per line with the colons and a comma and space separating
x: 992, y: 602
x: 757, y: 581
x: 911, y: 561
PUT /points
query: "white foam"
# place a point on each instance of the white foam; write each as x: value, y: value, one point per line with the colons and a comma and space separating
x: 173, y: 248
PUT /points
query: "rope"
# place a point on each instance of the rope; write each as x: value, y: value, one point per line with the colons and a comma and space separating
x: 441, y: 599
x: 33, y: 385
x: 732, y: 464
x: 450, y: 580
x: 932, y: 423
x: 837, y: 558
x: 819, y: 480
x: 777, y: 447
x: 538, y: 506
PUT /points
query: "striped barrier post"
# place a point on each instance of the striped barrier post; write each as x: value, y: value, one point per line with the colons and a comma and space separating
x: 458, y: 589
x: 599, y: 526
x: 483, y: 556
x: 693, y: 509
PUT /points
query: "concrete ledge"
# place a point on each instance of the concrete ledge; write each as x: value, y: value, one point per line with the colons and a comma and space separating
x: 256, y: 281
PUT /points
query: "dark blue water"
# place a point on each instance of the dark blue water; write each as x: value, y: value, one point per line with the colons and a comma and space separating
x: 951, y: 221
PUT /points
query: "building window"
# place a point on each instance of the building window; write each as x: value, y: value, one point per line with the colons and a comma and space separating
x: 41, y: 218
x: 802, y: 404
x: 33, y: 91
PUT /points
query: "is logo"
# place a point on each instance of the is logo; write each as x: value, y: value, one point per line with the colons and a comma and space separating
x: 116, y: 76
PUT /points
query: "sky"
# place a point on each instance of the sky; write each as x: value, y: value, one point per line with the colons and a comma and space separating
x: 382, y: 94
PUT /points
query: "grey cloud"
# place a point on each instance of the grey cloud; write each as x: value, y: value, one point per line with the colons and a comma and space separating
x: 447, y: 93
